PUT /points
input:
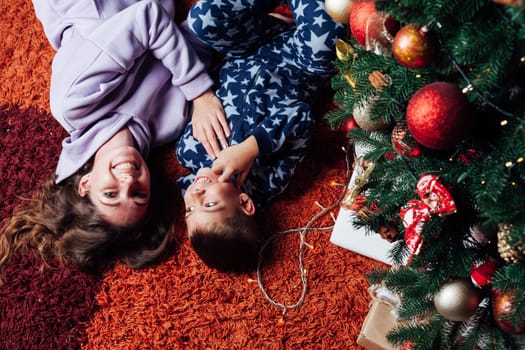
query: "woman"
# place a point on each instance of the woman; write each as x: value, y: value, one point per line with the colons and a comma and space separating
x: 124, y: 79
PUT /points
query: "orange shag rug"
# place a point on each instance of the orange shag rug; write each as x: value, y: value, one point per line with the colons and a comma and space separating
x: 179, y: 304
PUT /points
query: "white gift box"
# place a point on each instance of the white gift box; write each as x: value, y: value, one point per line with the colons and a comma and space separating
x: 357, y: 239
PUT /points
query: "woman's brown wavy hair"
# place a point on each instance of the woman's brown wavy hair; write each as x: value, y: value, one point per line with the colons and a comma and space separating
x: 57, y: 222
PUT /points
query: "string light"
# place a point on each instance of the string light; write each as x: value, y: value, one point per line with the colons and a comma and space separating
x: 308, y: 245
x: 319, y: 205
x: 467, y: 88
x: 471, y: 87
x: 503, y: 122
x: 302, y: 231
x: 509, y: 164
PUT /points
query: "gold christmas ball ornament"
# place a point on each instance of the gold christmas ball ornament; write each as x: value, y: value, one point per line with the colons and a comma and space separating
x: 511, y: 253
x: 414, y: 47
x: 457, y: 299
x: 339, y: 10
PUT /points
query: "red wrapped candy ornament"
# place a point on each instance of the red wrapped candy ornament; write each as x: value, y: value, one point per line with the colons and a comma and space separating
x: 435, y: 199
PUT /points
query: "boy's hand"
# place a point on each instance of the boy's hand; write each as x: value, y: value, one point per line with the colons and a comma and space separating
x: 210, y: 126
x: 237, y: 159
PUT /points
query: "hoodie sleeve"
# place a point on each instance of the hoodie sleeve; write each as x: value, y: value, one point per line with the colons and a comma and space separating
x: 146, y: 26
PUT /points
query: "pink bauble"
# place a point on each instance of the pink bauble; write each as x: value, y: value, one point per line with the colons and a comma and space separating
x: 439, y: 116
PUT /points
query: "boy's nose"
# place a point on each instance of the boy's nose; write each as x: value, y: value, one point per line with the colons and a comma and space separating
x: 197, y: 191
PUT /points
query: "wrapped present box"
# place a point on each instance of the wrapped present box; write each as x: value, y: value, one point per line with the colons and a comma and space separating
x: 377, y: 324
x: 347, y: 235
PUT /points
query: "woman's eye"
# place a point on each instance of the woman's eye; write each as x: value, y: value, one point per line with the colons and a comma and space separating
x: 189, y: 209
x: 110, y: 194
x: 141, y: 195
x: 210, y: 204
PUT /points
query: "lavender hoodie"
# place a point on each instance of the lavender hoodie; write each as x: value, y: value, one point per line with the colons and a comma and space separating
x: 119, y: 63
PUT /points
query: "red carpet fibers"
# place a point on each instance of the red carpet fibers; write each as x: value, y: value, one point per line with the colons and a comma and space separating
x: 180, y: 304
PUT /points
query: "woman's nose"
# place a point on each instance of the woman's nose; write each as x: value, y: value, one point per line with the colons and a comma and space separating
x: 126, y: 178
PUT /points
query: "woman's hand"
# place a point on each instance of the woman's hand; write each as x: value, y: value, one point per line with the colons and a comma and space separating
x: 236, y: 160
x: 210, y: 126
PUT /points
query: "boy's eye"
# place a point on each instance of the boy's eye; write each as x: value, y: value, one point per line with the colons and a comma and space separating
x: 189, y: 209
x: 210, y: 204
x: 110, y: 194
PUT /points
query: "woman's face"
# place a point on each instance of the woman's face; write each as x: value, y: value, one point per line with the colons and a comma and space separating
x: 118, y: 186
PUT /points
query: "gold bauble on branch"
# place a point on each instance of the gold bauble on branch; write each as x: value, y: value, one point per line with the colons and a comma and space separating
x: 457, y: 299
x: 339, y: 10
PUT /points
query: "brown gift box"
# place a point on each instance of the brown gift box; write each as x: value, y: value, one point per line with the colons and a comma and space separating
x: 377, y: 324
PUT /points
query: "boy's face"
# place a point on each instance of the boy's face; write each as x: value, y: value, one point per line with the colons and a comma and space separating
x: 208, y: 201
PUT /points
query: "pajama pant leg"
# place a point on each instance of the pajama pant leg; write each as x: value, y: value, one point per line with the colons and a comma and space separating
x: 311, y: 45
x: 235, y: 27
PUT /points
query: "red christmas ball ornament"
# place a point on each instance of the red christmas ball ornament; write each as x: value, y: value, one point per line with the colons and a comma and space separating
x: 349, y: 124
x: 504, y: 310
x: 364, y: 12
x: 439, y: 116
x: 414, y: 47
x: 338, y: 10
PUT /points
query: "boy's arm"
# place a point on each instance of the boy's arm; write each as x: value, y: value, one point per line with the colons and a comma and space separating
x: 236, y: 159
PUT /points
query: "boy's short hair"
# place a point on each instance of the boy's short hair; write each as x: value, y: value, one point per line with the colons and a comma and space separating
x: 230, y: 246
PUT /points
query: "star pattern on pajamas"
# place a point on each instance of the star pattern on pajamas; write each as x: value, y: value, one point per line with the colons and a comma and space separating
x: 265, y: 89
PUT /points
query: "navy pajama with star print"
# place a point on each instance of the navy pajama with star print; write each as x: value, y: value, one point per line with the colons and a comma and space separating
x: 270, y: 73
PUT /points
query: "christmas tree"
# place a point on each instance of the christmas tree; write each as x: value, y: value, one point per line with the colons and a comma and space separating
x: 434, y: 91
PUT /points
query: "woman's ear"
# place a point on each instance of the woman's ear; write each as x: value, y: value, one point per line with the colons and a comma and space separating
x: 83, y: 185
x: 247, y: 205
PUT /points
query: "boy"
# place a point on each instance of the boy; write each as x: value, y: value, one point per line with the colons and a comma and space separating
x: 272, y: 70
